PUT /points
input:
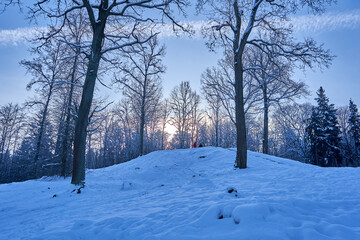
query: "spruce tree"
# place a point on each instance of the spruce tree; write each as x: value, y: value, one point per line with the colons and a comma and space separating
x: 354, y: 132
x: 323, y: 133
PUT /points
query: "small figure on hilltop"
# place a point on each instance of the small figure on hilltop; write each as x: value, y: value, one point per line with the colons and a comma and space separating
x: 194, y: 145
x: 200, y: 145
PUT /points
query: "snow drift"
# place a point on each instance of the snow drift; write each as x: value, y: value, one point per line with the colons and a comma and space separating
x: 188, y: 194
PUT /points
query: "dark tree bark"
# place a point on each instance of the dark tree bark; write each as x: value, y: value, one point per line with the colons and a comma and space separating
x: 239, y: 44
x: 241, y: 143
x: 78, y: 176
x: 266, y: 123
x: 142, y: 126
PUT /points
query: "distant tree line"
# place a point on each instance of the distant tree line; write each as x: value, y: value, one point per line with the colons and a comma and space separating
x: 36, y: 138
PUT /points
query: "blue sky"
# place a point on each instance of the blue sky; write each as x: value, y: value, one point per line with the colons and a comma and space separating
x: 186, y: 59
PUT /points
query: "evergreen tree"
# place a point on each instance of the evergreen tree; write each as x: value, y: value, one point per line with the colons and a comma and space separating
x: 323, y: 133
x: 354, y: 132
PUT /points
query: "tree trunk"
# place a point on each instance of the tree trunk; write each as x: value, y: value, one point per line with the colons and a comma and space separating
x: 41, y: 131
x: 217, y: 128
x: 316, y: 155
x: 266, y: 123
x: 142, y: 125
x: 78, y: 175
x: 241, y: 144
x: 181, y: 135
x: 142, y: 116
x: 238, y: 50
x: 65, y: 144
x: 162, y: 137
x: 2, y: 143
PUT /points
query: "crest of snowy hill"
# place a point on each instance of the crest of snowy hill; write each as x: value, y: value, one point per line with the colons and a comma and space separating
x: 188, y: 194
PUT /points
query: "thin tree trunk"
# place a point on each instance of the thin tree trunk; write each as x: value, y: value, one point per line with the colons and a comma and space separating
x: 217, y: 129
x: 142, y: 117
x: 162, y: 137
x: 41, y: 131
x: 142, y: 125
x: 266, y: 123
x: 2, y: 144
x: 65, y: 144
x: 60, y: 132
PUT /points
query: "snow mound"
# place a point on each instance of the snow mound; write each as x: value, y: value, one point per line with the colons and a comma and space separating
x: 188, y: 194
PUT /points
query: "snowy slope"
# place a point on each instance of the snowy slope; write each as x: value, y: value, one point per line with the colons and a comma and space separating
x: 181, y: 194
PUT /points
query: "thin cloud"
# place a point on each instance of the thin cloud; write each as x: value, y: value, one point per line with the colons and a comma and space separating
x: 18, y: 36
x: 327, y: 21
x: 305, y: 23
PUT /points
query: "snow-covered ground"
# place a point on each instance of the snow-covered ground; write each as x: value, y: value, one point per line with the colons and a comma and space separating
x: 184, y: 194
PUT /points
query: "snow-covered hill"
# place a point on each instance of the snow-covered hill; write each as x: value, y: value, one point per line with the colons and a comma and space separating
x: 188, y: 194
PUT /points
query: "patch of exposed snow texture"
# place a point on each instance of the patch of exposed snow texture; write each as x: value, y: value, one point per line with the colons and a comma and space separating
x: 188, y: 194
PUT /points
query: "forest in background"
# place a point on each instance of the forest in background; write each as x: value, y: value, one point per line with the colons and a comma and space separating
x: 37, y: 137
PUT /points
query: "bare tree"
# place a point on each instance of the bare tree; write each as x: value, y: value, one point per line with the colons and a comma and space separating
x: 141, y: 82
x: 343, y: 114
x: 47, y: 71
x: 289, y: 122
x: 196, y: 118
x: 127, y: 123
x: 274, y: 83
x: 218, y: 82
x: 183, y: 101
x: 353, y: 135
x: 113, y: 141
x: 232, y: 23
x: 165, y: 112
x: 214, y: 114
x: 12, y: 129
x: 11, y: 123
